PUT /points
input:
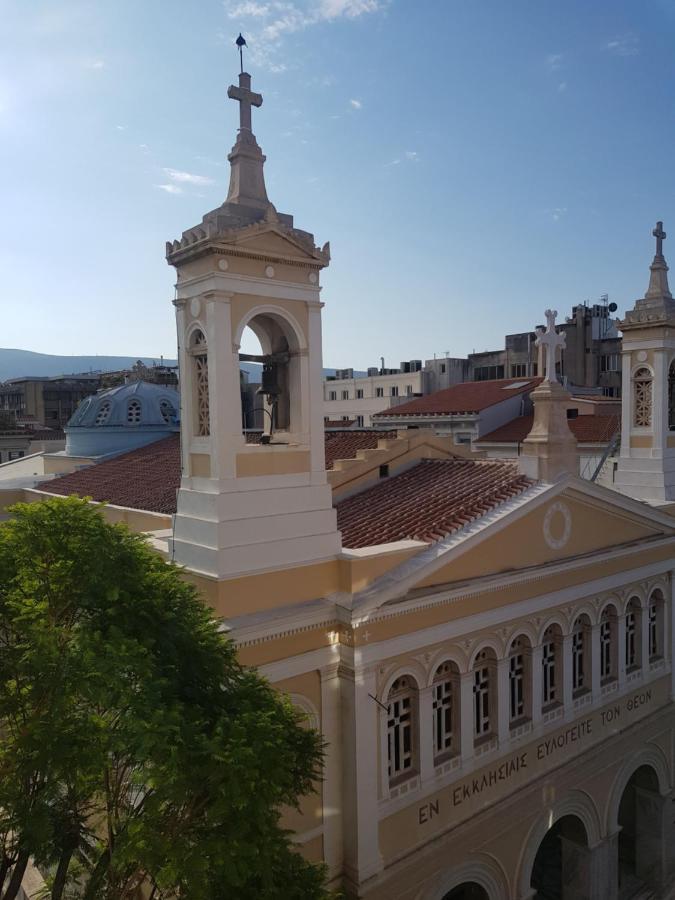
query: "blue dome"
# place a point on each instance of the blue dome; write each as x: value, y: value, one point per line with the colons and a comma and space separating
x: 122, y: 418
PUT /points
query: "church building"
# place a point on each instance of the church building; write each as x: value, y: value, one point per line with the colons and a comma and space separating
x: 486, y: 645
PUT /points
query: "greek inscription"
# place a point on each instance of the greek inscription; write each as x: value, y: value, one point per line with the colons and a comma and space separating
x: 564, y: 739
x: 609, y: 715
x: 426, y: 812
x: 490, y: 778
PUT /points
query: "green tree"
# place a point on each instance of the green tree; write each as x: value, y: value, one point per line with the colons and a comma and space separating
x: 135, y: 748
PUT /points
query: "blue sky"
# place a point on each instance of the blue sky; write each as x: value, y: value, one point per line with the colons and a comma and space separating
x: 471, y: 163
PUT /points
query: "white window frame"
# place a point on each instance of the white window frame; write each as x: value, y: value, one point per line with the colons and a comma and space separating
x: 401, y: 730
x: 444, y: 695
x: 549, y: 681
x: 482, y: 724
x: 579, y: 667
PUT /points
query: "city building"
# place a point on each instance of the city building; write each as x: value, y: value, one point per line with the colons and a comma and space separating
x: 486, y: 645
x: 360, y: 397
x: 465, y: 411
x: 49, y: 402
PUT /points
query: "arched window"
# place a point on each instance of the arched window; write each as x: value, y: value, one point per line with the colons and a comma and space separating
x: 103, y: 413
x: 401, y: 728
x: 167, y: 411
x: 519, y: 680
x: 642, y: 398
x: 445, y: 705
x: 608, y: 645
x: 581, y: 663
x: 200, y: 371
x: 655, y: 624
x: 671, y: 396
x: 484, y: 695
x: 633, y: 630
x: 551, y: 659
x: 133, y: 412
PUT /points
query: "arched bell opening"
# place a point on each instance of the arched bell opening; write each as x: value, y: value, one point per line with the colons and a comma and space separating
x: 253, y: 410
x: 277, y: 403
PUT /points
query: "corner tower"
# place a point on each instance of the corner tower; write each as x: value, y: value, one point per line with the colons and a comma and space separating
x: 245, y: 508
x: 646, y: 467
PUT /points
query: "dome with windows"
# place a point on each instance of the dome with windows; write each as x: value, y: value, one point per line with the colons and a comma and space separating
x: 122, y: 418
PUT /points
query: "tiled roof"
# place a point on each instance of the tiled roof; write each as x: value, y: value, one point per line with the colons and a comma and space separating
x: 467, y: 397
x: 346, y: 444
x: 427, y: 502
x: 586, y: 429
x: 148, y: 478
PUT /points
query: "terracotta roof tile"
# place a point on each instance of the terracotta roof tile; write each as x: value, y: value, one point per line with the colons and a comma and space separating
x: 427, y: 502
x: 467, y: 397
x: 148, y: 478
x: 586, y: 429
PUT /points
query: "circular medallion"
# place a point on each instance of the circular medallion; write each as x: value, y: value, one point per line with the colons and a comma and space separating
x: 642, y: 355
x: 269, y: 271
x: 557, y: 525
x: 313, y: 277
x: 195, y: 306
x: 223, y: 265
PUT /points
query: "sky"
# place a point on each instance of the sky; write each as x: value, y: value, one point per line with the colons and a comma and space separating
x: 471, y: 163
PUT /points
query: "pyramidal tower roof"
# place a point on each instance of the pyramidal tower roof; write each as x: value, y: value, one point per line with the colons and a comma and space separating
x: 657, y: 304
x: 247, y: 204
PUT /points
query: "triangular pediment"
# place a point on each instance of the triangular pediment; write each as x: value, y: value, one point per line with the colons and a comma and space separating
x: 565, y: 524
x: 270, y: 241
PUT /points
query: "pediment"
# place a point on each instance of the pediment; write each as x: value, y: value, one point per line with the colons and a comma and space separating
x: 561, y: 524
x: 272, y: 242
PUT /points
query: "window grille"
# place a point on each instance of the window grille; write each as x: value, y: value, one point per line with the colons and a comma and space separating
x: 394, y: 391
x: 548, y: 666
x: 516, y: 686
x: 133, y: 412
x: 481, y: 699
x: 399, y: 728
x: 379, y: 392
x: 605, y: 647
x: 201, y: 376
x: 167, y: 411
x: 642, y: 414
x: 631, y: 643
x: 653, y: 629
x: 578, y: 660
x: 345, y: 395
x: 103, y: 413
x: 443, y: 700
x: 359, y: 394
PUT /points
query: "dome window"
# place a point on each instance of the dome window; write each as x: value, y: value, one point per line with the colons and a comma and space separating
x: 103, y: 413
x: 133, y: 412
x: 167, y: 411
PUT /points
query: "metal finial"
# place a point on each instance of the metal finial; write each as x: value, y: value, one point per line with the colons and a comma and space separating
x: 241, y: 43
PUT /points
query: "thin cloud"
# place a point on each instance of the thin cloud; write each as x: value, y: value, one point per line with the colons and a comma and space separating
x: 562, y: 87
x: 558, y: 213
x: 94, y: 64
x: 186, y: 177
x: 412, y: 156
x: 624, y: 45
x: 356, y: 104
x: 267, y: 24
x: 170, y: 188
x: 554, y: 61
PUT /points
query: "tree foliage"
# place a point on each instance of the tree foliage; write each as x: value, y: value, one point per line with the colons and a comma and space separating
x: 135, y: 748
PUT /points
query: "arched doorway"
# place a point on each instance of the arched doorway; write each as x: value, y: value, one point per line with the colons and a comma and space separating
x: 467, y: 890
x: 556, y: 868
x: 641, y: 831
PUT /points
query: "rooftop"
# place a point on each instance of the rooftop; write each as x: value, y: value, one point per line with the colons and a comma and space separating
x: 147, y: 478
x: 467, y: 397
x: 586, y: 429
x: 428, y: 501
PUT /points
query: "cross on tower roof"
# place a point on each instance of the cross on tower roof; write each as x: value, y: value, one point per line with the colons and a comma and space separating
x: 550, y: 340
x: 247, y: 98
x: 660, y: 236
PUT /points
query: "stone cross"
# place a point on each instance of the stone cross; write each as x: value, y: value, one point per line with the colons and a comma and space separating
x: 247, y: 98
x: 550, y: 340
x: 660, y: 236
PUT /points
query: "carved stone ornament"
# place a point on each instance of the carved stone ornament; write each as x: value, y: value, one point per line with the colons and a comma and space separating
x: 557, y: 514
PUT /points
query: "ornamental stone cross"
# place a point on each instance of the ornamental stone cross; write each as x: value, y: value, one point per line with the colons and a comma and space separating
x: 550, y: 340
x: 247, y: 98
x: 660, y: 236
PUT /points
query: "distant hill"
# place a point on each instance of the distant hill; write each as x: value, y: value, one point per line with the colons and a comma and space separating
x: 22, y: 363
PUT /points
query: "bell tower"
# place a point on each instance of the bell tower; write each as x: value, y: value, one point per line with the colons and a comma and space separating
x: 646, y: 467
x: 250, y: 508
